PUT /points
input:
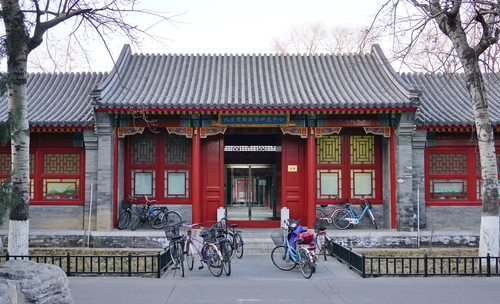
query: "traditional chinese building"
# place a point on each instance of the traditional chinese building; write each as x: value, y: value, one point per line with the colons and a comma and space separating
x: 251, y: 135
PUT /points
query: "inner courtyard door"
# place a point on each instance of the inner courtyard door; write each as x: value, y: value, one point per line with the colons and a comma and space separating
x: 250, y: 192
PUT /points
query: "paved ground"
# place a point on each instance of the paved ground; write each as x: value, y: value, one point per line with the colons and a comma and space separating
x: 255, y: 279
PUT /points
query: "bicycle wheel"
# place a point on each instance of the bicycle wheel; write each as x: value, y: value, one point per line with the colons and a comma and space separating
x: 338, y: 219
x: 319, y: 214
x: 372, y: 217
x: 190, y: 255
x: 135, y: 223
x: 306, y: 266
x: 174, y: 254
x: 213, y: 260
x: 238, y: 246
x: 124, y: 219
x: 155, y: 218
x: 180, y: 256
x: 281, y: 259
x: 225, y: 249
x: 320, y: 244
x: 171, y: 218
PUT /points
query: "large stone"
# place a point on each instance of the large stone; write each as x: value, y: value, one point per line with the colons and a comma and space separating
x: 23, y: 281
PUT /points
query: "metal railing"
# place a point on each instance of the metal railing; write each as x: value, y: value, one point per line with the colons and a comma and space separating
x: 416, y: 266
x: 77, y: 264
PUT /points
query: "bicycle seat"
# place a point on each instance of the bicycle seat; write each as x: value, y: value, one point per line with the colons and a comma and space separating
x: 204, y: 234
x: 323, y: 205
x: 234, y: 225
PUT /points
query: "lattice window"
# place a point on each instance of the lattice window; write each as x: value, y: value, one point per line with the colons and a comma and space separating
x: 328, y: 150
x: 143, y: 182
x: 448, y: 188
x: 5, y: 164
x: 143, y: 150
x: 61, y: 163
x: 447, y: 163
x: 329, y: 183
x: 362, y: 183
x: 362, y: 150
x: 61, y: 188
x: 176, y: 183
x: 177, y: 149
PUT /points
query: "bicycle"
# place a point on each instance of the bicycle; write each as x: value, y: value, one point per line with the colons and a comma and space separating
x: 206, y: 250
x: 322, y: 238
x: 225, y: 248
x: 156, y: 217
x: 234, y: 236
x: 325, y: 214
x: 176, y: 246
x: 346, y: 217
x: 285, y: 256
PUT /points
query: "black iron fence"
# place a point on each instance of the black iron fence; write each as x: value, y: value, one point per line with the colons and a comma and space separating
x: 416, y: 266
x: 79, y: 265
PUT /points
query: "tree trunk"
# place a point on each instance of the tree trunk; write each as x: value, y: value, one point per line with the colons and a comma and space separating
x: 489, y: 233
x: 17, y: 55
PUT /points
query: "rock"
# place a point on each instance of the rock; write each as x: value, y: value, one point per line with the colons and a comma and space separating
x: 23, y: 281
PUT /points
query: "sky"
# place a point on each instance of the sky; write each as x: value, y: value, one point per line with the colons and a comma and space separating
x: 236, y: 26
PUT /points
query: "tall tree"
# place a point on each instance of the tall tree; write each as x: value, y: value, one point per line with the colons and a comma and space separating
x: 472, y: 27
x: 26, y: 23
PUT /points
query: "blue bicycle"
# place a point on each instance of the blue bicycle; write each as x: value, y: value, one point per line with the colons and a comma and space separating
x: 346, y: 217
x: 286, y: 256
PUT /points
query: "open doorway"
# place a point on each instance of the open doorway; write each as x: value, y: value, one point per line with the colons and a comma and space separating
x: 250, y: 192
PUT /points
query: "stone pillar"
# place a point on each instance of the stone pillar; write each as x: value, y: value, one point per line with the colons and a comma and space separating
x: 404, y: 171
x: 105, y: 161
x: 91, y: 152
x: 419, y: 143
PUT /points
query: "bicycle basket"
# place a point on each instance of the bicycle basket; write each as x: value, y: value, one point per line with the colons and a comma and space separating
x: 170, y: 232
x: 126, y: 205
x: 277, y: 236
x: 318, y: 224
x: 208, y: 234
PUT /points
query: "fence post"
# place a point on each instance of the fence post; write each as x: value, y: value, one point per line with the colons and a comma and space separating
x: 488, y: 265
x: 7, y: 256
x: 349, y: 257
x: 425, y: 264
x: 363, y: 270
x: 158, y: 260
x: 130, y: 264
x: 68, y: 263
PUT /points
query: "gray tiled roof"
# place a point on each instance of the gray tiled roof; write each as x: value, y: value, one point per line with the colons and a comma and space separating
x: 255, y: 82
x: 445, y: 101
x: 58, y: 100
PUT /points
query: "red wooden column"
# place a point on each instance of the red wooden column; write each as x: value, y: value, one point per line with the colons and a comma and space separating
x: 196, y: 176
x: 311, y: 177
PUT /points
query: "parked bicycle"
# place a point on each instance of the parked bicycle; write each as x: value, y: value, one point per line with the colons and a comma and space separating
x: 176, y: 246
x: 205, y: 248
x: 344, y: 218
x: 234, y: 236
x: 293, y: 248
x: 322, y: 238
x: 156, y: 217
x: 225, y: 247
x: 325, y: 211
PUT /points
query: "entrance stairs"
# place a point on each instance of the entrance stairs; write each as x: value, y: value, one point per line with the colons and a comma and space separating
x: 257, y: 240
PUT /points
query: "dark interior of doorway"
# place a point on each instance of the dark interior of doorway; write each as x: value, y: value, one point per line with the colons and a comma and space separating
x: 251, y: 149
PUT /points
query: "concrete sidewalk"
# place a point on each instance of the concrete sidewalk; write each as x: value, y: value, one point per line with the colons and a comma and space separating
x: 254, y: 278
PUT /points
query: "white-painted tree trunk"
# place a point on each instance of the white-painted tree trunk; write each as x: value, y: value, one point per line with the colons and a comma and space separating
x: 449, y: 22
x: 18, y: 237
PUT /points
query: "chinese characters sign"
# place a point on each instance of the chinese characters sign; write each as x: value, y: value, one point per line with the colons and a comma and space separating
x: 253, y: 120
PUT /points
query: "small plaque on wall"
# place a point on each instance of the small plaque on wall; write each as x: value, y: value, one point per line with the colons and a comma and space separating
x: 292, y: 168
